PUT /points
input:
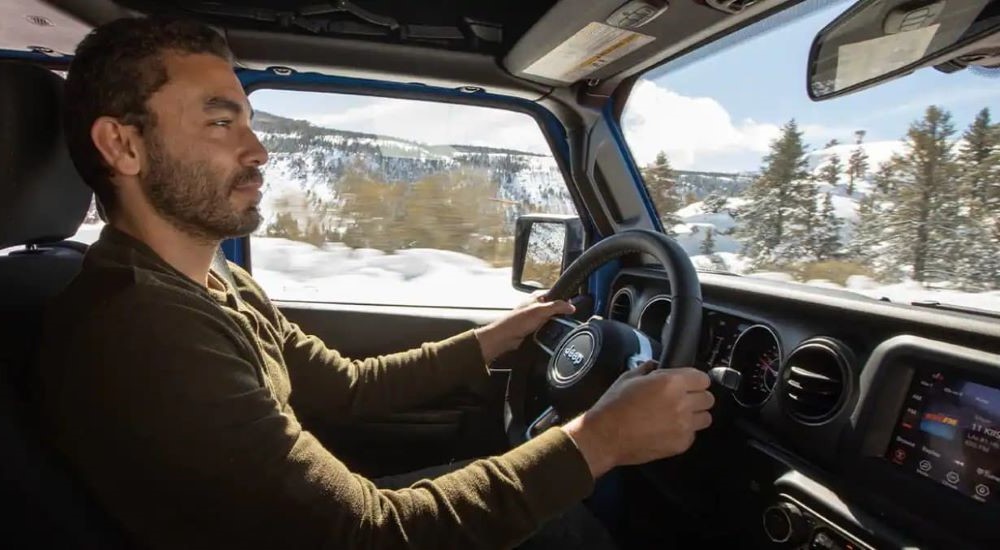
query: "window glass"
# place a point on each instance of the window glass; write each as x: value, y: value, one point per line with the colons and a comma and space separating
x: 390, y: 201
x: 892, y: 192
x: 90, y: 230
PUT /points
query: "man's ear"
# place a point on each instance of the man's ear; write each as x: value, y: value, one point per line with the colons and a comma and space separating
x: 119, y: 144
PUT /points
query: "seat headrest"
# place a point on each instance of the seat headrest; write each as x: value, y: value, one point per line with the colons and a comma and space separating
x: 42, y: 198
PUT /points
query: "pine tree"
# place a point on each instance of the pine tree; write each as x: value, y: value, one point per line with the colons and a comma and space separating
x: 978, y: 228
x: 826, y: 239
x: 779, y: 214
x: 867, y: 243
x: 714, y: 203
x: 661, y: 182
x: 830, y: 172
x: 857, y: 163
x: 922, y: 226
x: 708, y: 244
x: 979, y: 143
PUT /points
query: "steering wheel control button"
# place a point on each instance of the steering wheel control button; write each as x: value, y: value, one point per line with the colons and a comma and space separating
x: 552, y: 332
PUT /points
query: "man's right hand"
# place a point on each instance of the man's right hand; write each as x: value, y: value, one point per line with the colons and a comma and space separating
x: 647, y: 414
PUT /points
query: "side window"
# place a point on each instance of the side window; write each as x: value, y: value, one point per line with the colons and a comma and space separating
x: 392, y: 201
x: 91, y: 227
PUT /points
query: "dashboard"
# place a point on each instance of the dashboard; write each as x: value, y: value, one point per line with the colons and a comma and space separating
x: 863, y: 424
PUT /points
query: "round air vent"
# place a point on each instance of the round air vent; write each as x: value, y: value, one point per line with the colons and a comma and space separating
x: 621, y: 306
x: 815, y: 380
x: 654, y: 315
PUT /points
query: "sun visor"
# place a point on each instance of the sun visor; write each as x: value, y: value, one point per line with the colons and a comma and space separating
x: 30, y: 25
x: 577, y: 39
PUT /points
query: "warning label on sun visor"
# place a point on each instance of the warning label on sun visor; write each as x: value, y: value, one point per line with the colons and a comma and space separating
x: 591, y: 48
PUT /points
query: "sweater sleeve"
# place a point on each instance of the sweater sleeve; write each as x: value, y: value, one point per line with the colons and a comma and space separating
x: 174, y: 429
x: 328, y: 384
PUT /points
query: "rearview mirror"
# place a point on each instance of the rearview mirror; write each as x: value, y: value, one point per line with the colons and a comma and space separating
x: 544, y: 245
x: 877, y: 40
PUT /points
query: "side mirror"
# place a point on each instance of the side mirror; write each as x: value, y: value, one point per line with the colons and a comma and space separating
x: 544, y: 246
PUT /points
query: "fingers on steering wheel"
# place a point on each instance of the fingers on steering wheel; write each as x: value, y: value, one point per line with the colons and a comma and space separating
x: 700, y: 400
x: 641, y: 370
x: 701, y: 420
x: 694, y: 379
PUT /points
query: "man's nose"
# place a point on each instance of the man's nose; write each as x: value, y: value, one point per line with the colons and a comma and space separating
x: 256, y: 154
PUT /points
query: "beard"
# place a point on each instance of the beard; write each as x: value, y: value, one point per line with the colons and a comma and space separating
x: 194, y: 197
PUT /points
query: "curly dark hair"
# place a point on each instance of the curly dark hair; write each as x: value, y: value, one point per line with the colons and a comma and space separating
x: 117, y: 67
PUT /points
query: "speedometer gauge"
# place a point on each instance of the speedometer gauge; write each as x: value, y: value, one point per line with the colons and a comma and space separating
x: 757, y: 356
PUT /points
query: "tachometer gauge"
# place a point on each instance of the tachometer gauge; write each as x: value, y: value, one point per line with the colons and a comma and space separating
x: 757, y: 356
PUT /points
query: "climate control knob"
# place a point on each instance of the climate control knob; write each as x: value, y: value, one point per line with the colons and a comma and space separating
x: 784, y: 523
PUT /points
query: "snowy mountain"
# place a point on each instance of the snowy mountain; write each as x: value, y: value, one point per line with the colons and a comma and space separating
x: 309, y: 164
x: 702, y: 184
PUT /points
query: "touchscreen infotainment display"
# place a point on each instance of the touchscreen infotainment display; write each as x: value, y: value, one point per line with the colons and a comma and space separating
x: 949, y: 432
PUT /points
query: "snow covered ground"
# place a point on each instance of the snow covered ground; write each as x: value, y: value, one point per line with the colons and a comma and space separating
x: 291, y: 270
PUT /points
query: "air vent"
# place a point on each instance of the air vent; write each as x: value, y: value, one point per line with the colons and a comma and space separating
x: 621, y: 306
x: 815, y: 380
x: 654, y: 316
x: 731, y: 6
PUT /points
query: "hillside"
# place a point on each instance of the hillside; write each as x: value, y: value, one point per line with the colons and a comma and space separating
x: 697, y: 220
x: 308, y: 165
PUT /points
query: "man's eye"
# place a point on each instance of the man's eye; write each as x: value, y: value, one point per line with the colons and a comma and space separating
x: 220, y: 123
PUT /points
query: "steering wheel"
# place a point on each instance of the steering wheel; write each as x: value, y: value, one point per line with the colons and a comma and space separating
x: 585, y: 358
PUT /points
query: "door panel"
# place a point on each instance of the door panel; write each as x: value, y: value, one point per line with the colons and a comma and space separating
x: 365, y: 331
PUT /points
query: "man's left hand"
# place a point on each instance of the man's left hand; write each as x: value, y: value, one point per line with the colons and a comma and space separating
x: 506, y: 334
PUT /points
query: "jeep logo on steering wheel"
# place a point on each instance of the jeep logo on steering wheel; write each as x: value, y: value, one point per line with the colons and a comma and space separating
x: 574, y: 356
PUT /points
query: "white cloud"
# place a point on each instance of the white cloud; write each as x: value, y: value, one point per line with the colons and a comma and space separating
x: 695, y: 132
x: 438, y: 124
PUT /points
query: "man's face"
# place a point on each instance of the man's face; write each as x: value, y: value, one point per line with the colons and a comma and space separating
x: 202, y: 157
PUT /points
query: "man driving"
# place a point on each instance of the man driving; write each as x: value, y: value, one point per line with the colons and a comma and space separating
x: 176, y: 393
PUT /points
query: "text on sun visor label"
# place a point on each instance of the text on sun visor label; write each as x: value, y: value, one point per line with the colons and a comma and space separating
x: 591, y: 48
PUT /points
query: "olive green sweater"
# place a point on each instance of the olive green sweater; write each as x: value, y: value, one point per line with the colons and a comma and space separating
x: 177, y: 405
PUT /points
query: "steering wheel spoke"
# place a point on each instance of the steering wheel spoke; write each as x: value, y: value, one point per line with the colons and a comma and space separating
x: 549, y: 335
x: 649, y: 350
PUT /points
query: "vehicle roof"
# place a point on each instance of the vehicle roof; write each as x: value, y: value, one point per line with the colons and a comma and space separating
x: 481, y: 43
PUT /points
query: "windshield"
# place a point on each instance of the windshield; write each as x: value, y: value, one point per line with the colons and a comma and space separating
x: 892, y: 192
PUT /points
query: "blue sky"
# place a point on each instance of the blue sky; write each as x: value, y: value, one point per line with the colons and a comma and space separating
x: 761, y: 85
x: 715, y: 113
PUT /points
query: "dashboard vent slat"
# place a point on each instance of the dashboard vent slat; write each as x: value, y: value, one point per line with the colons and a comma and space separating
x: 815, y: 380
x: 621, y: 306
